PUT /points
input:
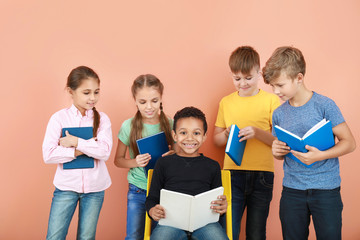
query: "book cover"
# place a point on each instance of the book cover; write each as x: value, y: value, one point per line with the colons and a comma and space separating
x: 81, y: 161
x: 319, y: 136
x: 155, y: 145
x: 188, y: 212
x: 235, y: 149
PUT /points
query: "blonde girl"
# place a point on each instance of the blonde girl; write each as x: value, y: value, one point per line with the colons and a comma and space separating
x: 149, y: 119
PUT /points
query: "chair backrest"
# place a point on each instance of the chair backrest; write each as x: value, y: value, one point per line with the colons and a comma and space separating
x: 226, y: 182
x: 147, y: 231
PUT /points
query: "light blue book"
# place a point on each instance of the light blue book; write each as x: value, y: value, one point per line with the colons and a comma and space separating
x: 319, y: 136
x: 82, y: 161
x: 155, y: 145
x: 235, y: 149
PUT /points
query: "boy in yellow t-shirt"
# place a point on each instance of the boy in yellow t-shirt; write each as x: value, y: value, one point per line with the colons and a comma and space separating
x: 250, y: 108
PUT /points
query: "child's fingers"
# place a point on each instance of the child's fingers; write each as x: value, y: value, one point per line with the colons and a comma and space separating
x: 158, y: 212
x: 280, y: 145
x: 219, y: 205
x: 227, y: 131
x: 168, y: 153
x: 277, y: 142
x: 143, y: 159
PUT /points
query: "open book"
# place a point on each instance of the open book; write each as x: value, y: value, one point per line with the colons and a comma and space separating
x: 188, y: 212
x: 155, y: 145
x: 235, y: 149
x: 82, y: 161
x: 319, y: 136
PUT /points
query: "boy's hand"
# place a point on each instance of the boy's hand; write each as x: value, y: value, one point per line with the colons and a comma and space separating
x: 219, y: 205
x: 247, y: 133
x: 313, y: 155
x: 143, y: 159
x: 227, y: 131
x: 68, y: 140
x: 157, y: 212
x: 279, y: 149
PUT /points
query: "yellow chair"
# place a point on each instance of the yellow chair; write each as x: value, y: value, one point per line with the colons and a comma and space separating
x: 226, y: 181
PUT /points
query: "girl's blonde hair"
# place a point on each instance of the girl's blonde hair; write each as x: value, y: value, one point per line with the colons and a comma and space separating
x: 141, y: 81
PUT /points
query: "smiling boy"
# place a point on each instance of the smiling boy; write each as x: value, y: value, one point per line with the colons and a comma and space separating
x: 188, y: 172
x: 250, y: 108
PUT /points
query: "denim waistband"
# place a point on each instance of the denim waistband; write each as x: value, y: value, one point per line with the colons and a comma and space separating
x: 135, y: 188
x: 309, y: 191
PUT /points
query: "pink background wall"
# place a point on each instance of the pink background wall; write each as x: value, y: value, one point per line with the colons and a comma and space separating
x: 187, y: 45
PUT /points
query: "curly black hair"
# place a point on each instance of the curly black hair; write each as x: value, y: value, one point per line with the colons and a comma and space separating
x: 188, y: 112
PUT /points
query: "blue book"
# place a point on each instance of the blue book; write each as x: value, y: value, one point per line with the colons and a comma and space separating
x: 235, y: 149
x: 155, y: 145
x: 82, y: 161
x: 319, y: 136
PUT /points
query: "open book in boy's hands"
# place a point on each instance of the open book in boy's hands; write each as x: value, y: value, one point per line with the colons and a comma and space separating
x: 188, y: 212
x: 319, y: 136
x: 235, y: 149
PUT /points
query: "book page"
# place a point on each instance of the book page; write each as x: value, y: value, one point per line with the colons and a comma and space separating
x: 177, y: 209
x: 232, y: 129
x: 315, y: 127
x: 286, y: 131
x: 201, y: 214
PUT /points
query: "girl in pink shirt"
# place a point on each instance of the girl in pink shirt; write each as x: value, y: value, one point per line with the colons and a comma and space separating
x: 83, y: 185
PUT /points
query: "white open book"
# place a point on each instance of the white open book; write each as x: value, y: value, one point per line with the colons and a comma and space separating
x: 188, y: 212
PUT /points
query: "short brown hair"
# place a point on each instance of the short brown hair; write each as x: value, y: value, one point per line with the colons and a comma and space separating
x: 288, y: 59
x: 244, y: 59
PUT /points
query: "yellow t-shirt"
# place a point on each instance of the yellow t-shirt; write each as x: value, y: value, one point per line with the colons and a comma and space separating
x: 253, y: 111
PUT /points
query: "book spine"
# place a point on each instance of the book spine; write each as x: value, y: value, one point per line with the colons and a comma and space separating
x: 191, y: 224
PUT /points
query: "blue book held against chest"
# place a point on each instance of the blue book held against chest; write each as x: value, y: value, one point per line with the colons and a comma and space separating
x: 155, y: 145
x: 235, y: 149
x: 82, y: 161
x: 319, y: 136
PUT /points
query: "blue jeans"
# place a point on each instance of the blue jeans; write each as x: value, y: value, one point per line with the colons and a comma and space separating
x: 212, y: 231
x: 251, y: 190
x: 135, y: 220
x: 325, y: 207
x: 62, y: 210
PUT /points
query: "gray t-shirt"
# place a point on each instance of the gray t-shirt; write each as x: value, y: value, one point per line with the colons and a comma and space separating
x: 298, y: 120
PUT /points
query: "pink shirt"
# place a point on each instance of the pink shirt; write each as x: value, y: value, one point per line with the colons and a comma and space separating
x: 79, y: 180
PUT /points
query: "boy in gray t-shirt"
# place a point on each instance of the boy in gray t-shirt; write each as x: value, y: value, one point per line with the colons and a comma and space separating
x: 306, y: 191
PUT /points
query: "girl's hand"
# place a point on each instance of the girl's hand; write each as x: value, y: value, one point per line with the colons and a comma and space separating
x: 313, y: 155
x: 143, y: 159
x: 170, y: 152
x: 68, y: 140
x: 157, y: 212
x: 219, y: 205
x: 78, y: 153
x: 279, y: 149
x: 247, y: 133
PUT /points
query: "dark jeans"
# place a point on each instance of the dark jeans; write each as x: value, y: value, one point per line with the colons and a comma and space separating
x: 325, y: 207
x: 251, y: 190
